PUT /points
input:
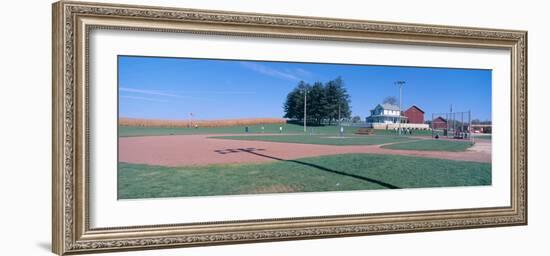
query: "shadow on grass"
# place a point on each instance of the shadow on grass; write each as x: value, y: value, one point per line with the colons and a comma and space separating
x: 322, y: 168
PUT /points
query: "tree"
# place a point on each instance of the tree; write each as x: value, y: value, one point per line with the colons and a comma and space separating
x: 338, y: 101
x: 294, y: 104
x: 317, y: 103
x: 356, y: 119
x: 325, y: 102
x: 390, y: 100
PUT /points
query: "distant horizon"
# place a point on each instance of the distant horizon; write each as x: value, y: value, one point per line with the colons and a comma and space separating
x: 166, y: 88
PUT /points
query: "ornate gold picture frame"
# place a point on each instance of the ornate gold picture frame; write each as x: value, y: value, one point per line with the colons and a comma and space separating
x: 72, y: 24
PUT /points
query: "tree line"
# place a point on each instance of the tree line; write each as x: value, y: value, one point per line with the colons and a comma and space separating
x: 326, y: 102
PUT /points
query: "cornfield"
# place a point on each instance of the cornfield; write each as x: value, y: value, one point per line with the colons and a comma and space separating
x: 198, y: 123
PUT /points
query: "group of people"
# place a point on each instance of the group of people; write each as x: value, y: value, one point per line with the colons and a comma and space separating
x: 246, y: 130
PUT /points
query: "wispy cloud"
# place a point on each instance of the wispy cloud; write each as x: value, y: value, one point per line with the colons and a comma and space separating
x: 148, y: 92
x: 219, y: 92
x: 268, y: 71
x: 157, y: 93
x: 303, y: 73
x: 142, y: 98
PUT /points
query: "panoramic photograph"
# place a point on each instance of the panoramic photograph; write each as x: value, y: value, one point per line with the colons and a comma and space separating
x: 211, y: 127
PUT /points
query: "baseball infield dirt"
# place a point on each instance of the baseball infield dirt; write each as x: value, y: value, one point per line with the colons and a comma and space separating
x: 188, y: 150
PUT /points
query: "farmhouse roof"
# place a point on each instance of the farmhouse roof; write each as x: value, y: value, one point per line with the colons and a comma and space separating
x: 389, y: 106
x: 419, y: 109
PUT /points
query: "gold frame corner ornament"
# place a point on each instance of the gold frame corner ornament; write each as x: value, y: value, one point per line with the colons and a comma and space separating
x: 72, y: 22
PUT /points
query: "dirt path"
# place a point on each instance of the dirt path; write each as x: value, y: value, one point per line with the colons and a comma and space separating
x: 185, y: 150
x: 482, y: 146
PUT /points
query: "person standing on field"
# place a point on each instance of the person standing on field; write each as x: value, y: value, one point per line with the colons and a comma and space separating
x: 280, y: 129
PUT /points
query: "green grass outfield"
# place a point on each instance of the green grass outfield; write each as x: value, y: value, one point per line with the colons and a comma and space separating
x: 423, y: 133
x: 401, y: 142
x: 321, y: 139
x: 130, y: 131
x: 326, y: 173
x: 432, y: 145
x: 483, y: 136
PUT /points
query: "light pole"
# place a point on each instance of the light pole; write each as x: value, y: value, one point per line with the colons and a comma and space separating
x: 305, y: 109
x: 400, y: 84
x: 451, y: 121
x: 339, y: 117
x: 340, y: 120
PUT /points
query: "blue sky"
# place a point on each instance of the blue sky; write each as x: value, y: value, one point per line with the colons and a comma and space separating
x: 171, y: 88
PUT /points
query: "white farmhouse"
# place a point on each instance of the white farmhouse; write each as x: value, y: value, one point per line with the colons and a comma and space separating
x: 386, y: 114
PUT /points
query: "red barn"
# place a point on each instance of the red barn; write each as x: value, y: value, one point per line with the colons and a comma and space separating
x: 439, y: 123
x: 414, y: 115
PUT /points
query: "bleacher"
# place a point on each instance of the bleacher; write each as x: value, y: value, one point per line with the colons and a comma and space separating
x: 364, y: 131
